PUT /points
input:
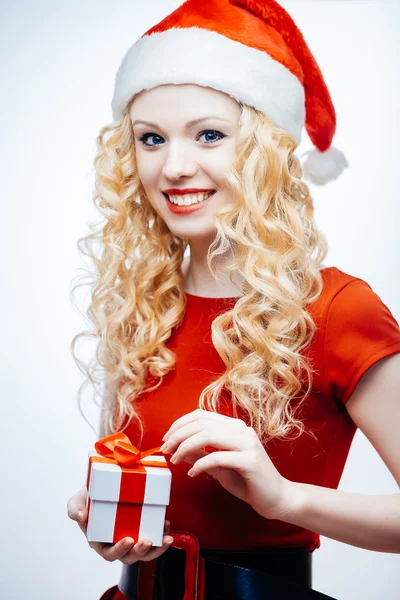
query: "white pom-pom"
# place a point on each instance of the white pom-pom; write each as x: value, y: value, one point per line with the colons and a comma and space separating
x: 322, y: 167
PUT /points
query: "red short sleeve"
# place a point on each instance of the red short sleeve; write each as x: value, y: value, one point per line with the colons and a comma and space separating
x: 360, y: 330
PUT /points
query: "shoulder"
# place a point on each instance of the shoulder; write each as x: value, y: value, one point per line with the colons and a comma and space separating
x: 351, y: 308
x: 348, y: 295
x: 344, y: 295
x: 335, y: 280
x: 358, y: 329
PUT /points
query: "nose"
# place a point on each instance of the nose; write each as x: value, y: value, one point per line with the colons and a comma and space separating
x: 179, y: 163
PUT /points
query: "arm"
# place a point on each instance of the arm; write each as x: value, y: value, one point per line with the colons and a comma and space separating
x: 367, y: 521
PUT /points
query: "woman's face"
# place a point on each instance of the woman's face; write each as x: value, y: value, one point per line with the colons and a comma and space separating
x: 175, y: 154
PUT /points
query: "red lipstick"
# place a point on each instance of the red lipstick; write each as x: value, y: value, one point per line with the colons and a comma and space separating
x: 175, y: 208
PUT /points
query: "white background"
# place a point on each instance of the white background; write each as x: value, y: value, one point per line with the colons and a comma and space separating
x: 58, y: 65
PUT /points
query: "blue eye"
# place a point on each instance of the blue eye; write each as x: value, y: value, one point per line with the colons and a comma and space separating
x: 213, y: 132
x: 207, y: 132
x: 145, y: 137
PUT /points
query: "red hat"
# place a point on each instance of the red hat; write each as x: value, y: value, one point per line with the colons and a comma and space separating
x: 253, y: 51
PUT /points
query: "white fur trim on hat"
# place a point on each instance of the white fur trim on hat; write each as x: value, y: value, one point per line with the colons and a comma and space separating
x: 322, y: 167
x: 207, y: 58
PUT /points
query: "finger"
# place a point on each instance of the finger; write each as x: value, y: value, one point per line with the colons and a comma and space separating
x: 211, y: 437
x: 181, y: 434
x: 112, y: 552
x: 193, y: 416
x: 230, y: 460
x: 192, y: 457
x: 76, y: 507
x: 167, y: 527
x: 185, y: 420
x: 145, y: 551
x: 175, y: 437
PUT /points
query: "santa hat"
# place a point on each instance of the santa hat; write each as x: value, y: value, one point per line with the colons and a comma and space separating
x: 249, y: 49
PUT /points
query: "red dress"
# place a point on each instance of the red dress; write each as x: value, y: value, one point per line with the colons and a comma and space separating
x: 355, y: 329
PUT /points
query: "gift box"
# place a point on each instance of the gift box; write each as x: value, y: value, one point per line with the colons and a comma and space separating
x: 128, y: 492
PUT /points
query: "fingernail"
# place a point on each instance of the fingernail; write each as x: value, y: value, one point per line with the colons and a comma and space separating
x: 80, y: 515
x: 169, y: 540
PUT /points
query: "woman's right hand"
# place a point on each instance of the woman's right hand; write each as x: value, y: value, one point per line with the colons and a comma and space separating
x: 125, y: 550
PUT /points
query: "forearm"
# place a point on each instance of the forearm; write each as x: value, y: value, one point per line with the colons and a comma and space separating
x: 367, y: 521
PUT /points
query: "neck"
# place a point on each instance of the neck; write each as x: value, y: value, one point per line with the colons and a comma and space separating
x: 199, y: 281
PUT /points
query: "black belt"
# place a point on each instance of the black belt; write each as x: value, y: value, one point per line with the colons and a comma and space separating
x: 228, y: 575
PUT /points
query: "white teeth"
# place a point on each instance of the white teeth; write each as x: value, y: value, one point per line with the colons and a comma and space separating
x: 189, y: 199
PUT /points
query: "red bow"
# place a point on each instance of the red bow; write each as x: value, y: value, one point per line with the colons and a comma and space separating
x: 118, y: 447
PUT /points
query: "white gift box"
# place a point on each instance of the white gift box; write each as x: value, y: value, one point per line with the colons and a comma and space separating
x: 127, y: 501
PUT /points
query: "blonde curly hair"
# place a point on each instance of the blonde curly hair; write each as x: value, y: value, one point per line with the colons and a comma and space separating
x: 137, y: 297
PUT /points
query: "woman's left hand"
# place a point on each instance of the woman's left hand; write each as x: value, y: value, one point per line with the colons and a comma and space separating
x: 242, y: 466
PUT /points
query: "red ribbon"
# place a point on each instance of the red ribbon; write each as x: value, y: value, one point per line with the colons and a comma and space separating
x: 117, y: 447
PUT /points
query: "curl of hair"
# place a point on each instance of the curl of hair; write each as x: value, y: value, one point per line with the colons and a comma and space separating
x: 137, y: 299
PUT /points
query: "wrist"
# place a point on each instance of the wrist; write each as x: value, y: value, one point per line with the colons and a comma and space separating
x: 293, y: 501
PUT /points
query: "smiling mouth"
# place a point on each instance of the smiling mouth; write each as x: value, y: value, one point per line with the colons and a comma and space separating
x: 188, y: 199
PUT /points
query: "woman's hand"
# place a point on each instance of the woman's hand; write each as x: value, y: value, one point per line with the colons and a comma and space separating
x: 242, y: 466
x: 125, y: 550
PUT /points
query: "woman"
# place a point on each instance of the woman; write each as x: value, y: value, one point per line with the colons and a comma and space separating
x: 253, y: 362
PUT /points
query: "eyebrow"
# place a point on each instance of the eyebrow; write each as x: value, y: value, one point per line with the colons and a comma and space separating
x: 188, y: 124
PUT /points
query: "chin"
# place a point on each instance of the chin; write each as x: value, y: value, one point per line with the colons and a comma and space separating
x: 193, y: 233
